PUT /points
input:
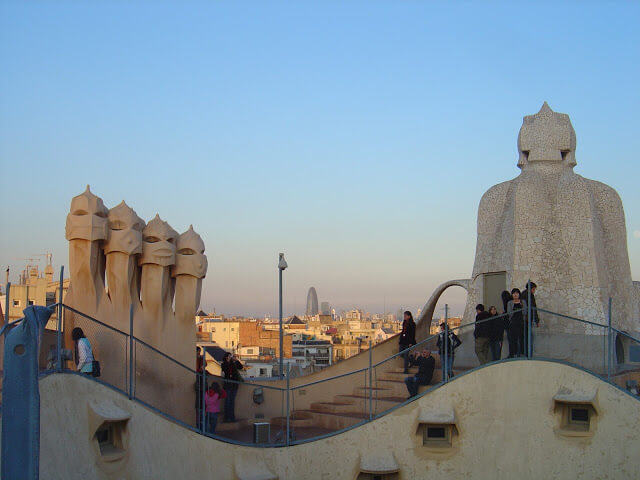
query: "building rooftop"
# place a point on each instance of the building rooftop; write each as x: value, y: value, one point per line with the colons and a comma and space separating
x: 294, y: 321
x: 311, y: 342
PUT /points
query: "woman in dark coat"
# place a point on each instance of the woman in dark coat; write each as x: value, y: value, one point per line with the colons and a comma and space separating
x: 517, y: 310
x: 506, y: 298
x: 407, y: 337
x: 231, y: 367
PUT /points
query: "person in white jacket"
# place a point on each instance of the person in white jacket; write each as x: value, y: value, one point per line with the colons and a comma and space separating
x: 84, y: 354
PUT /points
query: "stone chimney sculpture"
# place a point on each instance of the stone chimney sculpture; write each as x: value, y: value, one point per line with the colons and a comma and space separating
x: 563, y: 231
x: 117, y: 262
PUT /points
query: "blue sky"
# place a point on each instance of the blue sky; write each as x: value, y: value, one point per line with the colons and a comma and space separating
x: 357, y: 137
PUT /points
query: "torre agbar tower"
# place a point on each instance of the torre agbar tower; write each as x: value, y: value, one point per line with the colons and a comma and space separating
x: 312, y: 302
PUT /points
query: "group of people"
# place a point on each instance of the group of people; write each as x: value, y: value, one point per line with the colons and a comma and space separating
x: 212, y: 398
x: 490, y: 327
x: 488, y: 333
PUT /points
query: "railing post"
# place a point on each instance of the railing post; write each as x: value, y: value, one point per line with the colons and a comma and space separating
x: 204, y: 389
x: 529, y: 321
x: 7, y: 320
x: 609, y: 335
x: 288, y: 441
x: 59, y: 326
x: 7, y: 317
x: 445, y: 364
x: 370, y: 384
x: 131, y: 369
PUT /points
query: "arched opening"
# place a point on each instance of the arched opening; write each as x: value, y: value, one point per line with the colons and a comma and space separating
x: 455, y: 299
x: 619, y: 350
x: 426, y: 316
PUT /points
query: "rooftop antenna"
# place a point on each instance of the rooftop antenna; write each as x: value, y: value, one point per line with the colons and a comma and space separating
x: 47, y: 255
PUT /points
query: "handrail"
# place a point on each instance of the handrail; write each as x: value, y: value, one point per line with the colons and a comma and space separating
x: 625, y: 334
x: 412, y: 347
x: 9, y: 324
x: 494, y: 317
x: 601, y: 325
x: 364, y: 369
x: 370, y: 367
x: 193, y: 371
x: 78, y: 312
x: 177, y: 362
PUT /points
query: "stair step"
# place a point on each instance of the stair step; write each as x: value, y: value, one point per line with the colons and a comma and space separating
x: 232, y: 426
x: 337, y: 421
x: 412, y: 370
x: 377, y: 391
x: 386, y: 399
x: 390, y: 388
x: 349, y: 415
x: 349, y: 404
x: 380, y: 404
x: 299, y: 418
x: 334, y: 407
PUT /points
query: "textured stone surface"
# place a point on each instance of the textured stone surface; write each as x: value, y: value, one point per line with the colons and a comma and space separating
x: 559, y: 229
x: 504, y: 415
x: 116, y: 262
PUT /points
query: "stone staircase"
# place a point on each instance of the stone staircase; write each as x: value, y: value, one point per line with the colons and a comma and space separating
x: 347, y: 409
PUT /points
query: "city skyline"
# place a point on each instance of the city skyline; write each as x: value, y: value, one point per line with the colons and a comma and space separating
x: 364, y: 161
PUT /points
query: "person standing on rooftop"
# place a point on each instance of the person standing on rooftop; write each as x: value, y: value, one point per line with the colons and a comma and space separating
x: 407, y: 337
x: 496, y: 329
x: 517, y: 310
x: 83, y: 351
x: 482, y: 334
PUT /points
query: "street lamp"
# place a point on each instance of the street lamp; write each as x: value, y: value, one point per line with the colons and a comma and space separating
x: 282, y: 264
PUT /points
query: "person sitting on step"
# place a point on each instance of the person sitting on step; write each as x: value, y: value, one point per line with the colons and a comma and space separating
x: 426, y: 363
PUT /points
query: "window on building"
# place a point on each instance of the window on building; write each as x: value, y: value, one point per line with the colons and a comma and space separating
x: 249, y: 351
x: 378, y: 476
x: 233, y: 329
x: 50, y: 298
x: 31, y: 302
x: 16, y: 303
x: 109, y: 438
x: 436, y: 435
x: 263, y: 372
x: 577, y: 414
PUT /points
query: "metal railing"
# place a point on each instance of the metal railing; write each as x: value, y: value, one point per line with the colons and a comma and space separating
x: 317, y: 409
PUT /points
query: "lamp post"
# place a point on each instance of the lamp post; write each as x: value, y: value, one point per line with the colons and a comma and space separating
x: 282, y: 264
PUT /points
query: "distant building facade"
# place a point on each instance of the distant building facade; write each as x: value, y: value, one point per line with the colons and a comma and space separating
x: 325, y: 308
x: 317, y: 354
x: 34, y: 288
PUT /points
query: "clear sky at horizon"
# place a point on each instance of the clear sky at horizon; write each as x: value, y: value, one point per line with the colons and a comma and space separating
x: 356, y: 137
